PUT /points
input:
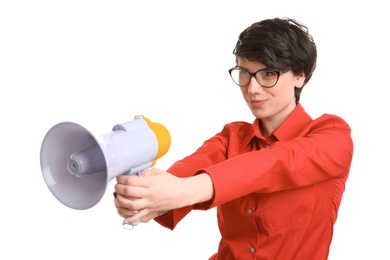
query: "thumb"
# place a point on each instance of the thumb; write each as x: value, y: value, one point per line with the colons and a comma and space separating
x: 150, y: 172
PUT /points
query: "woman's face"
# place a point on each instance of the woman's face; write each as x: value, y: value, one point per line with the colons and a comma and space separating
x: 272, y: 105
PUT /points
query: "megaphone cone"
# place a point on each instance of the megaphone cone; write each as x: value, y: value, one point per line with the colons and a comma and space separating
x: 77, y: 166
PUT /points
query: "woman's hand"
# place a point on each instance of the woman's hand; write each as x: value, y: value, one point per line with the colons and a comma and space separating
x: 142, y: 198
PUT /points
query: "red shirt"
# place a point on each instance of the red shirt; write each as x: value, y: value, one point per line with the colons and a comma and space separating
x: 277, y: 197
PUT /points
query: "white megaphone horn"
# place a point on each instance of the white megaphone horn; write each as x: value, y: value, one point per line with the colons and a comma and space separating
x: 77, y: 166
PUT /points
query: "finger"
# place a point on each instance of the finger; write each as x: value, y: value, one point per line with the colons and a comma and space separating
x: 133, y: 181
x: 130, y: 220
x: 124, y: 179
x: 131, y: 205
x: 132, y: 217
x: 147, y: 172
x: 125, y: 212
x: 143, y: 215
x: 151, y: 172
x: 130, y: 191
x: 129, y: 180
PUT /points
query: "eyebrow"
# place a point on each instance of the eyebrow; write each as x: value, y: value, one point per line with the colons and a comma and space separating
x: 265, y: 68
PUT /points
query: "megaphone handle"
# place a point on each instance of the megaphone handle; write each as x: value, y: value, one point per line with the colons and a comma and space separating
x: 131, y: 225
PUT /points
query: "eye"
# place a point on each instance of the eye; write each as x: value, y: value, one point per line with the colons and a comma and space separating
x: 267, y: 74
x: 243, y: 73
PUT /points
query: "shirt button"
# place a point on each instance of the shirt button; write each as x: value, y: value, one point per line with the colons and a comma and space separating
x: 267, y: 145
x: 249, y: 211
x: 252, y: 249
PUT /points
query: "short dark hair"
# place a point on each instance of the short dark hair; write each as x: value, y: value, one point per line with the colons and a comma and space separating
x: 279, y: 43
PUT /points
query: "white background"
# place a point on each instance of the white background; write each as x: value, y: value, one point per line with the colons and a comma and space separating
x: 98, y: 63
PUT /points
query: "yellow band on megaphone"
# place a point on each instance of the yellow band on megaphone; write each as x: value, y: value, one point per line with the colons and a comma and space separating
x: 163, y: 137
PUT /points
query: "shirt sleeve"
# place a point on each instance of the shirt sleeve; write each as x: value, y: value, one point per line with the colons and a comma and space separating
x: 212, y: 151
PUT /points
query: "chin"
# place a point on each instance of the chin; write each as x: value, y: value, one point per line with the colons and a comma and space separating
x: 257, y: 114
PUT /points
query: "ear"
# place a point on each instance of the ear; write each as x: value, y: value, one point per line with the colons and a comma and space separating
x: 300, y: 79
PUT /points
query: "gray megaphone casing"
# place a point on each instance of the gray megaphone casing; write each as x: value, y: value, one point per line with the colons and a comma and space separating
x: 129, y: 148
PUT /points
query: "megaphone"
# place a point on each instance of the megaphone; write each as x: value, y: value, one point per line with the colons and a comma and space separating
x: 77, y: 166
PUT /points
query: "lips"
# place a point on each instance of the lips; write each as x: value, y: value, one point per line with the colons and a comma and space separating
x: 257, y: 103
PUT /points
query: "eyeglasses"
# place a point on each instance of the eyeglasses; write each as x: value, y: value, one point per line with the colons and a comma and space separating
x: 266, y: 78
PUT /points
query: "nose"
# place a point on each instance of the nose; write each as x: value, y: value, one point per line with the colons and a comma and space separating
x: 253, y: 86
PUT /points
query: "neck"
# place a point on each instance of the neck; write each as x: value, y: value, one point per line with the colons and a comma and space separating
x: 269, y: 124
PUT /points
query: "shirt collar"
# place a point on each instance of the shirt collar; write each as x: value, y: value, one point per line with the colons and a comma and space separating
x: 289, y: 129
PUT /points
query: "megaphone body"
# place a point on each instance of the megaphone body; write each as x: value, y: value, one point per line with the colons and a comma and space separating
x: 77, y: 166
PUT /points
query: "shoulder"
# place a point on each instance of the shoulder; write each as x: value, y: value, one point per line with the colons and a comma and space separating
x: 329, y: 123
x: 238, y: 129
x: 238, y: 126
x: 331, y: 120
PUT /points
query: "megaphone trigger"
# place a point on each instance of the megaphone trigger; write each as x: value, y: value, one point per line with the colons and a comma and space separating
x: 130, y: 225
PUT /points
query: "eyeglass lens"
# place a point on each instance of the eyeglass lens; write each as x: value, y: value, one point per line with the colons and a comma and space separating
x: 266, y: 78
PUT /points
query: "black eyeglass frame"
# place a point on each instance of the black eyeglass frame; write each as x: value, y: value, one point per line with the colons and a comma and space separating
x: 278, y: 72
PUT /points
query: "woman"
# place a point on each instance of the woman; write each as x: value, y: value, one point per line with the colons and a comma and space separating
x: 277, y: 183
